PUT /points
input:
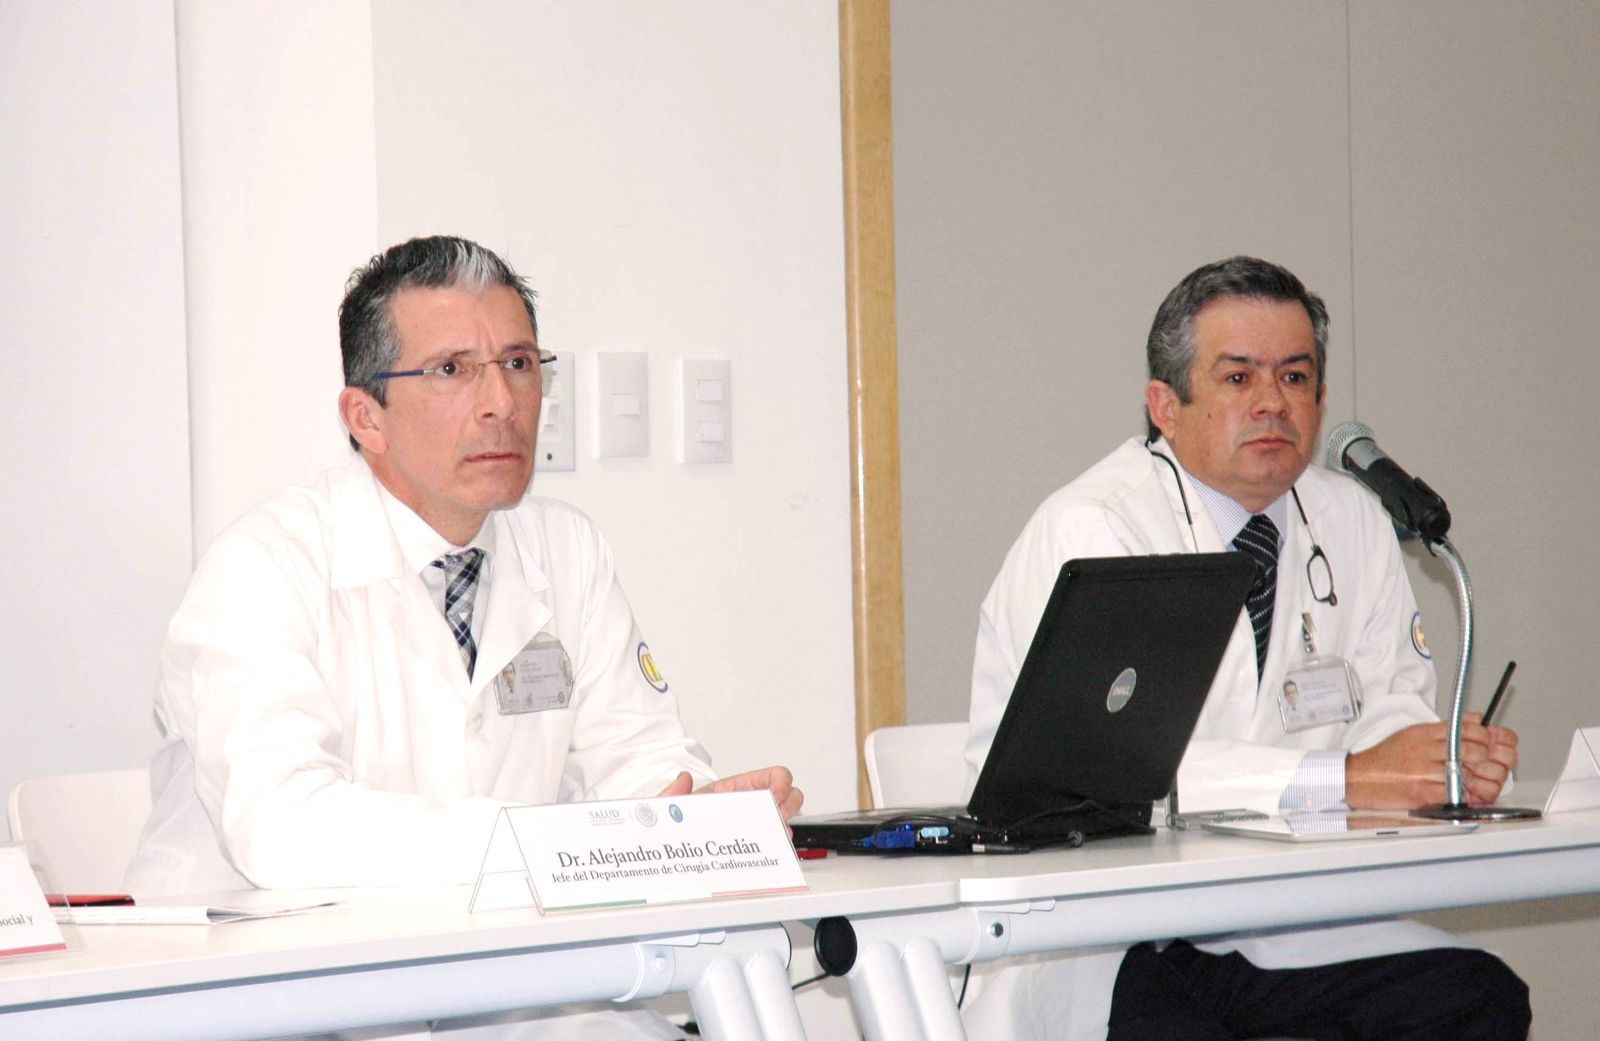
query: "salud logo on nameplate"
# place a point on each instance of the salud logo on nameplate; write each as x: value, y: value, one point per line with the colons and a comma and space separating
x: 570, y: 856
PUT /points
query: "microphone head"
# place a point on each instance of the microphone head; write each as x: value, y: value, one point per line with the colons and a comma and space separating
x: 1341, y: 438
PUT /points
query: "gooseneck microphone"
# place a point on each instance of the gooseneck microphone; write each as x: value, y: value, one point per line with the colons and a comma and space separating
x: 1414, y: 506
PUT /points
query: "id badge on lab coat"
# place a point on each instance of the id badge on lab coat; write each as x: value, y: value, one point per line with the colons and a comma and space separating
x: 538, y: 679
x: 1322, y: 691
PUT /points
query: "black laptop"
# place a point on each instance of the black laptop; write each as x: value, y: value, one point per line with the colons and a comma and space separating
x: 1098, y: 720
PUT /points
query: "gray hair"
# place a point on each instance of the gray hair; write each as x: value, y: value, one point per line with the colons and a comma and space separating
x: 368, y: 342
x: 1170, y: 349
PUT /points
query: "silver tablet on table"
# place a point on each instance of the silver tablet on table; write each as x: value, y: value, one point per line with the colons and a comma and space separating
x: 1336, y: 825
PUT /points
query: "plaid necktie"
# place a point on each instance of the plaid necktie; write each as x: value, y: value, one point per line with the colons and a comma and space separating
x: 1259, y: 538
x: 460, y: 582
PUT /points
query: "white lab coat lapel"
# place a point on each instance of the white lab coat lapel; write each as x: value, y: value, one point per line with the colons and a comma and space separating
x: 1285, y: 650
x: 1205, y: 537
x: 377, y: 568
x: 516, y: 610
x: 1158, y: 508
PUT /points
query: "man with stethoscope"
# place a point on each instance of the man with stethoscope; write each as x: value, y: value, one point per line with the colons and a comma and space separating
x: 1324, y: 696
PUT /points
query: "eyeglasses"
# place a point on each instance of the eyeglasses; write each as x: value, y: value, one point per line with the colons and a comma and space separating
x: 1319, y: 573
x: 1320, y: 578
x: 521, y: 369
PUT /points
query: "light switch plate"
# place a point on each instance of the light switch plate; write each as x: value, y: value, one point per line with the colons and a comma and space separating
x: 556, y: 448
x: 622, y: 404
x: 705, y: 396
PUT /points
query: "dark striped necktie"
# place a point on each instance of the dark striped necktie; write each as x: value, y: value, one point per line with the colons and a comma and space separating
x: 1259, y: 538
x: 460, y: 582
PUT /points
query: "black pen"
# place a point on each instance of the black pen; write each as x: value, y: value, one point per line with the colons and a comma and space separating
x: 1494, y: 702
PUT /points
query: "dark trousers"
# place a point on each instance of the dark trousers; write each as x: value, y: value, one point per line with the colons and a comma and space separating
x: 1448, y: 994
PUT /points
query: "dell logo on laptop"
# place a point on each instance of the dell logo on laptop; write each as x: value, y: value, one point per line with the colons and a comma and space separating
x: 1121, y: 690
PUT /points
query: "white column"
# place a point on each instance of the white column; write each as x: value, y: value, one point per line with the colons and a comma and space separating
x: 95, y: 469
x: 280, y: 202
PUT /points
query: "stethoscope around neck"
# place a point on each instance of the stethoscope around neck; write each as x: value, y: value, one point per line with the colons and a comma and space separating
x: 1313, y: 572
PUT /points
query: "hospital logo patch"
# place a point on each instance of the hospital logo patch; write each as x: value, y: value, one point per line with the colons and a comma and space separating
x: 1419, y: 639
x: 647, y: 666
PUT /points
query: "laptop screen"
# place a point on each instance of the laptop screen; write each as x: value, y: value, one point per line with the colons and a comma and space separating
x: 1113, y: 684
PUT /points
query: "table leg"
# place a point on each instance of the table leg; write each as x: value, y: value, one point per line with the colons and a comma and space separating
x: 930, y: 988
x: 898, y: 981
x: 774, y: 997
x: 722, y: 1003
x: 738, y: 983
x: 881, y: 993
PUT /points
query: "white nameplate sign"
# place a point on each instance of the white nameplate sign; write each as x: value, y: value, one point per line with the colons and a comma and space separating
x: 26, y: 923
x: 1579, y: 785
x: 570, y: 856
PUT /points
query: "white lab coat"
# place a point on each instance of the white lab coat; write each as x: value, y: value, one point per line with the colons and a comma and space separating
x: 1127, y: 504
x: 320, y: 728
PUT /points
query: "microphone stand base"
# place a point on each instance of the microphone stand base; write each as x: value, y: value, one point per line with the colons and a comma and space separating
x: 1482, y: 814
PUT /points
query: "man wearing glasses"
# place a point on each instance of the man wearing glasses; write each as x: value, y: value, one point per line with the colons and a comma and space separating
x: 363, y: 672
x: 1324, y: 698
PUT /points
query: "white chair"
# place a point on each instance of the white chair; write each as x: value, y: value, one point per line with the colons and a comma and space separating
x: 917, y: 765
x: 87, y: 824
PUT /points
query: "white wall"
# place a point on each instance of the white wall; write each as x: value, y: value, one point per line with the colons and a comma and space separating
x: 95, y: 470
x: 669, y: 182
x: 668, y: 177
x: 1058, y: 168
x: 1428, y: 167
x: 1476, y: 236
x: 279, y: 204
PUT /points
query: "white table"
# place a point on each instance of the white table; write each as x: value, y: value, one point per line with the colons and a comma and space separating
x: 404, y: 955
x: 409, y: 955
x: 1126, y: 890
